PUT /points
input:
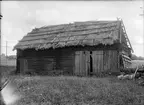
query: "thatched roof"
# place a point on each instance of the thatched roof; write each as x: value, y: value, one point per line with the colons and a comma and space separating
x: 88, y: 33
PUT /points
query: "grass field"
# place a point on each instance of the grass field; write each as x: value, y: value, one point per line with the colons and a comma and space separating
x: 136, y: 63
x: 69, y: 90
x: 77, y: 91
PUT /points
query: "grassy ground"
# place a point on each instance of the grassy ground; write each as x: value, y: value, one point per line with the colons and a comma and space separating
x: 136, y: 63
x: 77, y: 91
x: 70, y: 90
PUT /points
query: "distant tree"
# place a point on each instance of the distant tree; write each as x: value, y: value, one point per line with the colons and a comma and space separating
x: 141, y: 58
x: 134, y: 57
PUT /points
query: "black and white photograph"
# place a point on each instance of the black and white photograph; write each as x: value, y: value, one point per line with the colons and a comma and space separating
x: 85, y: 52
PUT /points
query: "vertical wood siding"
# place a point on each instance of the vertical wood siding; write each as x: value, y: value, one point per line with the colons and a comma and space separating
x: 81, y: 63
x: 97, y: 61
x: 111, y: 60
x: 80, y: 60
x: 102, y: 61
x: 77, y: 63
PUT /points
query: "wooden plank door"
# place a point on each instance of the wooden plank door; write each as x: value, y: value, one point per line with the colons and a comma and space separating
x: 110, y: 60
x: 97, y: 57
x: 82, y: 63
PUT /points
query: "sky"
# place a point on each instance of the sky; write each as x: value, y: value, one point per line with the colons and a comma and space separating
x: 20, y: 17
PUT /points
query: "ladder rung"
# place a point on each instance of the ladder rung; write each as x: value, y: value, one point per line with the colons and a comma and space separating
x: 128, y: 41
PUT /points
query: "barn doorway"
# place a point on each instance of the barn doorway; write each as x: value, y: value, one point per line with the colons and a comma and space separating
x: 91, y: 63
x: 83, y: 63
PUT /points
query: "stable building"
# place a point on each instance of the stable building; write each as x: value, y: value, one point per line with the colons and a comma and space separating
x: 79, y: 48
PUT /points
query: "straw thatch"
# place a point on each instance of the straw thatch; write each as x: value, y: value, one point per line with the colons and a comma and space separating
x: 89, y: 33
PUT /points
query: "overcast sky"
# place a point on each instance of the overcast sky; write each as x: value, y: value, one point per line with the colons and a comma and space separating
x: 20, y: 17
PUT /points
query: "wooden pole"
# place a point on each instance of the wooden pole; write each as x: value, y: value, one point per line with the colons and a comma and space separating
x: 136, y: 71
x: 143, y: 23
x: 6, y: 53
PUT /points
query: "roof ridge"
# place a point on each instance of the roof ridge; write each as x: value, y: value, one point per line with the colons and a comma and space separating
x: 73, y: 23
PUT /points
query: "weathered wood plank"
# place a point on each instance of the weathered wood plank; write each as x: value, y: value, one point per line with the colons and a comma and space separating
x: 101, y: 61
x: 87, y: 62
x: 110, y: 60
x: 113, y: 60
x: 80, y: 62
x: 84, y: 63
x: 97, y: 61
x: 77, y: 63
x: 94, y: 57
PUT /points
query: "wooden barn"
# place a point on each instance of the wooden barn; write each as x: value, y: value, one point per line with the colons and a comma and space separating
x: 79, y: 48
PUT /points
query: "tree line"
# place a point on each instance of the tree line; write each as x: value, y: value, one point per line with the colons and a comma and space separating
x: 134, y: 57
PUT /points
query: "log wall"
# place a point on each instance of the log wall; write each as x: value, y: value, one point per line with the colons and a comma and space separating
x: 47, y: 62
x: 69, y: 61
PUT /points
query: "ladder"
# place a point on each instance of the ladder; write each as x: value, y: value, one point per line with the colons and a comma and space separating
x: 125, y: 34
